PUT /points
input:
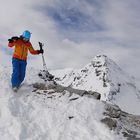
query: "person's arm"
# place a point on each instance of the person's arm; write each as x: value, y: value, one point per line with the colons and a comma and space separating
x: 32, y: 50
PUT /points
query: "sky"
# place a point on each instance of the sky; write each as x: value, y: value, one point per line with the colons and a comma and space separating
x: 75, y: 31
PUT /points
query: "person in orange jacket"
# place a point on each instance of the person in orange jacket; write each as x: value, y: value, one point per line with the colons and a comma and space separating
x: 22, y: 45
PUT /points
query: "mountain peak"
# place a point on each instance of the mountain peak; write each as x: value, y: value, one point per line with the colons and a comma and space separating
x: 104, y: 76
x: 103, y: 61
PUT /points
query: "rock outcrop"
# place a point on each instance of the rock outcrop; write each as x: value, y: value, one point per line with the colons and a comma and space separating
x: 114, y: 117
x: 122, y: 122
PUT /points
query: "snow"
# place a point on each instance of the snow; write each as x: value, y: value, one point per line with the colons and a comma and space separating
x: 26, y: 115
x: 104, y: 76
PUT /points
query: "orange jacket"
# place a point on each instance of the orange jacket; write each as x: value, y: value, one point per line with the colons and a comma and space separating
x: 21, y: 49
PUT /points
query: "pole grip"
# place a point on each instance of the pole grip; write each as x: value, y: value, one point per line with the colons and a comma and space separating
x: 40, y: 45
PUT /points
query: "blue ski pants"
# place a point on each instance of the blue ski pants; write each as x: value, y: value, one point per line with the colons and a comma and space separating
x: 19, y: 70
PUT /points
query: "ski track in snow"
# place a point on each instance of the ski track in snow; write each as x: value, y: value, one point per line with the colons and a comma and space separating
x: 27, y: 116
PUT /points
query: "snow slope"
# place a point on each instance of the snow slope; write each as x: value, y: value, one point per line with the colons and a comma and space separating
x: 104, y: 76
x: 28, y: 115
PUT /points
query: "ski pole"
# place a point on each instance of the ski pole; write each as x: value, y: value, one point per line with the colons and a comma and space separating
x: 43, y: 59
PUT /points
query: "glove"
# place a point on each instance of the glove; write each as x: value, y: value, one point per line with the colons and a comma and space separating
x: 15, y: 38
x: 10, y: 40
x: 40, y: 51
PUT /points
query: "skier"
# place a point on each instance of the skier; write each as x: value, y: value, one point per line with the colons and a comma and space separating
x: 19, y: 61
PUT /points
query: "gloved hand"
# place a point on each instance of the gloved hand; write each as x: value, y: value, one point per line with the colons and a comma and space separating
x: 40, y: 51
x: 10, y: 40
x: 14, y: 38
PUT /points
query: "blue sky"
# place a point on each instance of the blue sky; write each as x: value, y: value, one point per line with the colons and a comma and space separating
x: 70, y: 17
x: 75, y: 31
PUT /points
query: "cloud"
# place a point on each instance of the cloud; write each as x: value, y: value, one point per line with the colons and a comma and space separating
x: 75, y: 31
x: 71, y: 16
x: 121, y: 19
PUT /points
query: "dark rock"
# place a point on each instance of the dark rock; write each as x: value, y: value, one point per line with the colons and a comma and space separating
x: 130, y: 134
x: 112, y: 110
x: 45, y: 75
x: 40, y: 86
x: 109, y: 122
x: 127, y: 124
x: 84, y: 70
x: 59, y: 88
x: 96, y: 95
x: 72, y: 99
x: 71, y: 117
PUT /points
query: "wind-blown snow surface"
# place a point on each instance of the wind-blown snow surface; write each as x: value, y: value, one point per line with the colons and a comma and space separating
x: 27, y: 115
x: 106, y: 77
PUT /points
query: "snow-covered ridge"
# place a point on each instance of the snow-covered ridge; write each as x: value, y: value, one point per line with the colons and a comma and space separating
x: 42, y: 114
x: 49, y: 113
x: 104, y: 76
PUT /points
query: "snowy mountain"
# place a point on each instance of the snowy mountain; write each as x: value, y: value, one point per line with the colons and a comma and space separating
x: 104, y: 76
x: 43, y: 114
x: 62, y: 110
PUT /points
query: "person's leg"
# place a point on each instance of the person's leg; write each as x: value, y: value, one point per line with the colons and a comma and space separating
x: 22, y: 70
x: 16, y: 73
